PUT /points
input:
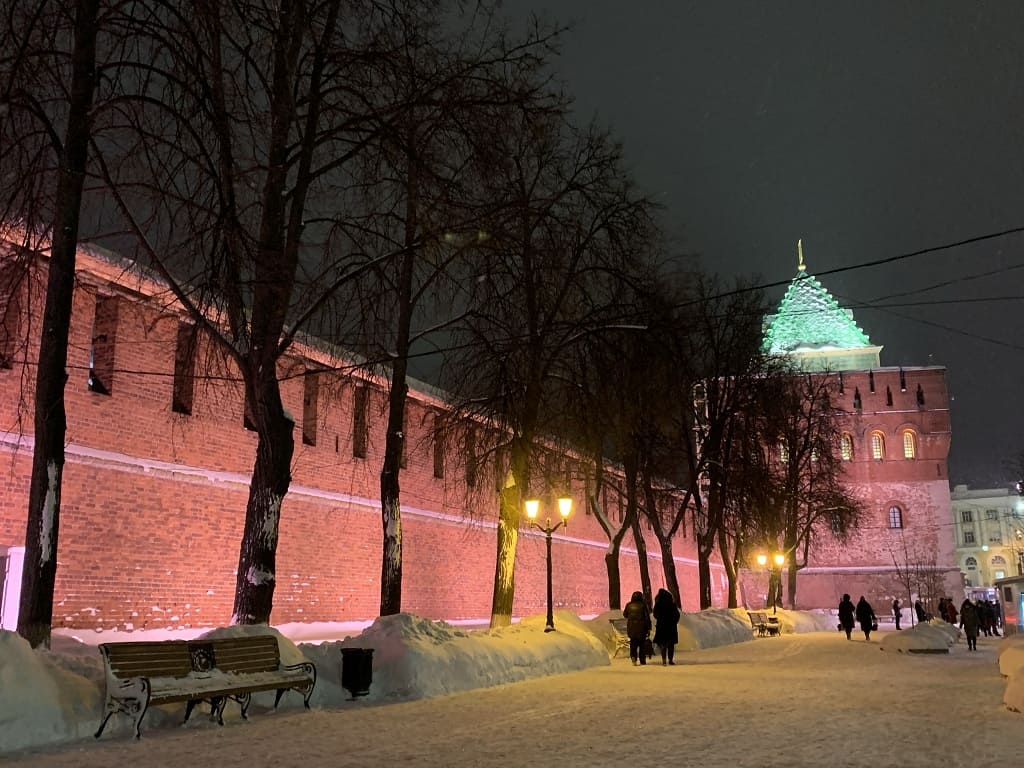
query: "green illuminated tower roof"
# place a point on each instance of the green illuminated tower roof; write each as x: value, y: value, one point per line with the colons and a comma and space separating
x: 811, y: 326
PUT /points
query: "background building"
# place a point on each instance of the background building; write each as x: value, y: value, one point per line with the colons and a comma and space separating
x: 988, y: 524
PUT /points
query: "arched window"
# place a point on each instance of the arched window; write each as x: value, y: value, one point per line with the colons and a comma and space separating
x: 998, y: 561
x: 877, y: 446
x: 895, y: 517
x: 971, y: 563
x: 909, y: 444
x: 846, y: 447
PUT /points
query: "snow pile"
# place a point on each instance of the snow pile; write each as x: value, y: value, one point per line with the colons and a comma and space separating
x: 42, y: 703
x: 1011, y: 666
x: 415, y: 658
x: 933, y: 636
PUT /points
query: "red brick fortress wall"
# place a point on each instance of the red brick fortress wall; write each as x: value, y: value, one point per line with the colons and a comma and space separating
x: 154, y: 500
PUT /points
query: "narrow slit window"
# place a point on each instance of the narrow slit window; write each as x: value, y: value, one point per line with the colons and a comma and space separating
x: 310, y: 406
x: 871, y: 381
x: 101, y: 352
x: 471, y: 458
x: 10, y: 312
x: 248, y: 412
x: 184, y: 369
x: 920, y: 395
x: 856, y: 398
x: 888, y: 396
x: 439, y: 441
x: 360, y: 403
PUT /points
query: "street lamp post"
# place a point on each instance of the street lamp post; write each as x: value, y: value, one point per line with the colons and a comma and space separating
x: 774, y: 577
x: 532, y: 510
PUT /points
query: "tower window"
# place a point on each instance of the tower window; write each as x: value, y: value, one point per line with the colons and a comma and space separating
x: 920, y: 395
x: 877, y: 446
x: 856, y: 398
x: 846, y: 447
x: 909, y: 445
x: 895, y: 517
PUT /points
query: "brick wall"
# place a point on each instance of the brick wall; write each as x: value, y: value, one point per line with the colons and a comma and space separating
x: 154, y: 500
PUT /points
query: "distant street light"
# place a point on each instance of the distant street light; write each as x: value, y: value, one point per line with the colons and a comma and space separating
x: 532, y: 510
x: 774, y: 577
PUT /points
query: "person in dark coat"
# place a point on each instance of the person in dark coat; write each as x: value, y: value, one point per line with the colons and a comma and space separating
x: 666, y: 633
x: 638, y: 626
x: 846, y: 612
x: 951, y: 611
x: 922, y: 617
x: 865, y: 617
x: 969, y: 623
x: 896, y: 611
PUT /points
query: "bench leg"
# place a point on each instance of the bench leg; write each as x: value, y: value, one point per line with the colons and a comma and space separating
x: 104, y: 723
x: 244, y: 701
x: 217, y: 709
x: 189, y: 706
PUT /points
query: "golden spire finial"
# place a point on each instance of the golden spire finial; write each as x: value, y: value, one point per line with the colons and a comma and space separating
x: 800, y: 255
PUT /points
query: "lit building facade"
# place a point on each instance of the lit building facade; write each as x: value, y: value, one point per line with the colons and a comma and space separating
x: 988, y: 524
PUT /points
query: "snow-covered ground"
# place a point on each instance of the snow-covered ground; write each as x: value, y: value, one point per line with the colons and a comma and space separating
x: 441, y: 695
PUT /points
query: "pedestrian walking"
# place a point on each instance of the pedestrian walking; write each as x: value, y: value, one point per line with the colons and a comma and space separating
x: 969, y: 623
x: 666, y: 632
x: 866, y: 617
x: 638, y: 627
x: 846, y: 614
x: 896, y: 611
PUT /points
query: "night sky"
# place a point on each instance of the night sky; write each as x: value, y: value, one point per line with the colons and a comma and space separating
x: 869, y: 129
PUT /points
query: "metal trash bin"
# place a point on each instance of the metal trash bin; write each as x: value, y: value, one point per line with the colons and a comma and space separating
x: 356, y: 670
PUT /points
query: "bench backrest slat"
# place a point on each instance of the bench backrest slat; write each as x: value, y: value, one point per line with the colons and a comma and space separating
x: 167, y: 658
x: 246, y: 654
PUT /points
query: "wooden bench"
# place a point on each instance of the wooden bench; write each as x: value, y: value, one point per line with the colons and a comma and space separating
x: 214, y: 670
x: 621, y: 636
x: 763, y: 624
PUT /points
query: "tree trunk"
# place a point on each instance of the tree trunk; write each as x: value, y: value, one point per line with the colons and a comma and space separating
x: 641, y: 557
x: 509, y: 505
x: 611, y: 565
x: 257, y: 556
x: 390, y: 498
x: 731, y: 571
x: 35, y: 615
x: 394, y: 443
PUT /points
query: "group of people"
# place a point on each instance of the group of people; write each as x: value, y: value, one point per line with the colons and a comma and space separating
x: 982, y: 616
x: 638, y: 626
x: 862, y: 614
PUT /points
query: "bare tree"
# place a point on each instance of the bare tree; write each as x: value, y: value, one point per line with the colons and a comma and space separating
x: 567, y: 200
x: 243, y: 122
x: 48, y: 70
x: 725, y: 360
x: 420, y: 207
